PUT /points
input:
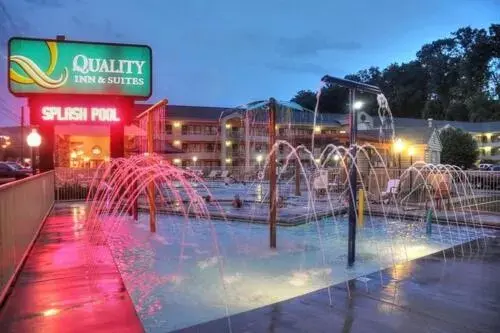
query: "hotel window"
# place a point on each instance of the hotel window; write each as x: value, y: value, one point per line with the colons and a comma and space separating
x: 168, y: 129
x: 184, y: 130
x: 210, y: 147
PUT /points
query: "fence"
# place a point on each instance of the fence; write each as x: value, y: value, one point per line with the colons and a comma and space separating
x: 24, y: 204
x: 73, y: 184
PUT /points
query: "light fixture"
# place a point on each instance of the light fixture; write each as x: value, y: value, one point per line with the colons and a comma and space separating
x: 195, y: 158
x: 79, y: 152
x: 399, y: 145
x: 336, y: 157
x: 86, y: 158
x: 228, y: 126
x: 318, y: 160
x: 96, y: 150
x: 358, y: 105
x: 228, y: 143
x: 228, y: 160
x: 342, y: 132
x: 34, y: 139
x: 411, y: 151
x: 73, y: 155
x: 4, y: 146
x: 317, y: 129
x: 177, y: 142
x: 177, y: 124
x: 259, y: 158
x: 177, y: 161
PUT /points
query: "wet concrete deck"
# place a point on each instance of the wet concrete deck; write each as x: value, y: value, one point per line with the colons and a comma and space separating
x: 461, y: 294
x: 58, y: 291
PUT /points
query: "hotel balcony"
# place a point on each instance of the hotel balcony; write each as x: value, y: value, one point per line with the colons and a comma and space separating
x: 488, y: 143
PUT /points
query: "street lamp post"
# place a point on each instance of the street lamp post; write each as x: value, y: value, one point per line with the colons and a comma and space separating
x: 34, y: 140
x: 398, y: 148
x: 259, y: 160
x: 411, y: 152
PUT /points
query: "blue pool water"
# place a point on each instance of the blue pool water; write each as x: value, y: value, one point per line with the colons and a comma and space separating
x: 192, y: 271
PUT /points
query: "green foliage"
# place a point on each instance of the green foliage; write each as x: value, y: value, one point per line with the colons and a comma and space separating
x: 454, y: 78
x: 459, y: 148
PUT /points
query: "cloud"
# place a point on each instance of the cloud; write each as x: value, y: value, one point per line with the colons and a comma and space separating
x: 311, y: 44
x: 298, y: 67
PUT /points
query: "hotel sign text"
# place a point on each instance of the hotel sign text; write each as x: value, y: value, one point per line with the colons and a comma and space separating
x: 39, y: 66
x: 79, y: 114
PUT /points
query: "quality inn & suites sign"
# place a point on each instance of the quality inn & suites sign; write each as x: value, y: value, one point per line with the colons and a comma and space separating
x: 39, y: 66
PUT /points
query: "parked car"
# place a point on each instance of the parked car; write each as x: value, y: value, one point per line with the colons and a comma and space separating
x: 8, y: 170
x: 485, y: 166
x: 19, y: 166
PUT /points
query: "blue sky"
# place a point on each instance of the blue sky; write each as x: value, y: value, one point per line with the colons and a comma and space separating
x: 229, y: 52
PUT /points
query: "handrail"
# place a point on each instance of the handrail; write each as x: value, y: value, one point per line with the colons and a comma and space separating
x: 6, y: 186
x: 163, y: 102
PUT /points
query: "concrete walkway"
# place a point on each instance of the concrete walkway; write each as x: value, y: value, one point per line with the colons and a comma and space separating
x: 58, y: 291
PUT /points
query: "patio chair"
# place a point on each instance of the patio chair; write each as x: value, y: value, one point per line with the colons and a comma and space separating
x: 392, y: 190
x: 213, y: 174
x: 224, y: 174
x: 335, y: 184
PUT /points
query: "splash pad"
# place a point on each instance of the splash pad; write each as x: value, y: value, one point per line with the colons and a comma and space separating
x: 208, y: 260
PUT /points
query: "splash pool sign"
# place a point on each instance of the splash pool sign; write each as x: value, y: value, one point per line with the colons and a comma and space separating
x: 43, y: 66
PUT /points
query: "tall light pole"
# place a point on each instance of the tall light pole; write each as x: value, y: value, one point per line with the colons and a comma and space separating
x: 398, y: 148
x: 353, y: 128
x: 259, y: 160
x: 411, y: 152
x: 34, y: 140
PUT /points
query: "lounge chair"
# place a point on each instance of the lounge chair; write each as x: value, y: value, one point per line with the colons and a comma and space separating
x: 392, y: 190
x: 213, y: 174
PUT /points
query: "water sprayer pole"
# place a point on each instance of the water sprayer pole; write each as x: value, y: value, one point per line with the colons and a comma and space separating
x: 272, y: 173
x: 151, y: 185
x: 351, y: 244
x: 297, y: 176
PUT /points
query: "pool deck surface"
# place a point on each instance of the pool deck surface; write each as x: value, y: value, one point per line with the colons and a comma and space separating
x: 59, y: 291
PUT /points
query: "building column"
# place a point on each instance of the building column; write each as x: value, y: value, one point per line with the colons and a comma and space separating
x: 46, y: 149
x: 223, y: 148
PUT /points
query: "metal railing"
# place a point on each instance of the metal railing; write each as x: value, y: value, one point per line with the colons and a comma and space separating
x: 73, y: 183
x: 24, y: 205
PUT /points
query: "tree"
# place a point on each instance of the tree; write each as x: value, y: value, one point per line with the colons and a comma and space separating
x: 459, y: 148
x: 306, y: 99
x: 433, y: 109
x: 453, y: 78
x: 457, y: 111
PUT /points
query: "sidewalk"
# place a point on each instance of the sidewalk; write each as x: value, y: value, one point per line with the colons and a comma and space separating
x: 57, y: 291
